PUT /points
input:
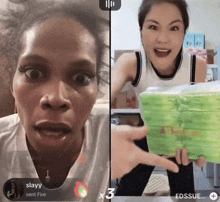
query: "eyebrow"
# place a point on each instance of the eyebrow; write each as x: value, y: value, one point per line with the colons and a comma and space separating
x: 35, y: 58
x: 85, y: 63
x: 174, y: 21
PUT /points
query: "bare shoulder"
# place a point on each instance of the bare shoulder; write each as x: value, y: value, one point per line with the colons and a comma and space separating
x: 127, y: 65
x: 201, y: 70
x: 127, y: 57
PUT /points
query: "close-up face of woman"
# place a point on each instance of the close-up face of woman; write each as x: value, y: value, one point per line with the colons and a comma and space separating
x: 55, y: 83
x: 163, y: 35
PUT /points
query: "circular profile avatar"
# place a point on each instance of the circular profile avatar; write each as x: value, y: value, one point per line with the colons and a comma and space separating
x: 13, y: 189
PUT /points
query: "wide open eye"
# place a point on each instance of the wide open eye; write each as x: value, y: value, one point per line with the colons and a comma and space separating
x: 81, y: 79
x: 175, y: 28
x: 153, y: 27
x: 33, y: 74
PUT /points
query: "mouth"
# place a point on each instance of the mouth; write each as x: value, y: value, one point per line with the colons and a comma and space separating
x: 52, y: 130
x: 161, y: 52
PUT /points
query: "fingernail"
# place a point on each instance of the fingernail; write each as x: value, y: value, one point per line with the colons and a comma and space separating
x: 179, y: 163
x: 176, y: 170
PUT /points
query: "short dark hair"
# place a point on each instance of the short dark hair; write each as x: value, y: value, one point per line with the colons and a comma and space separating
x: 16, y: 22
x: 147, y: 4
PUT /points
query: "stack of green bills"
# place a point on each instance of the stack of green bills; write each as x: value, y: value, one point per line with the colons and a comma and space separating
x: 183, y: 117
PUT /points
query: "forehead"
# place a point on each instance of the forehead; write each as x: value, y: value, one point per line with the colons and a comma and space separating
x: 157, y: 12
x: 59, y: 35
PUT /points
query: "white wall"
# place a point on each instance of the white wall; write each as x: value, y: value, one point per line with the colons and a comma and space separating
x: 124, y: 26
x: 125, y: 29
x: 204, y: 18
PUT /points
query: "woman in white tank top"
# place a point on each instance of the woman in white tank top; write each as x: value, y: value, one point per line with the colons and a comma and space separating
x: 163, y: 24
x: 147, y: 76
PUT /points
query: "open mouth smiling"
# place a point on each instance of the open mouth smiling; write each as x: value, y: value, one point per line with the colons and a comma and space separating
x: 162, y: 52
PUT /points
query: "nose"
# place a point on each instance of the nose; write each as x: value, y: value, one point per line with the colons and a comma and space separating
x: 55, y: 97
x: 163, y: 37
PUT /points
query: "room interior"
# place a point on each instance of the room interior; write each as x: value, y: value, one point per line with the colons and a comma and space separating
x: 204, y: 21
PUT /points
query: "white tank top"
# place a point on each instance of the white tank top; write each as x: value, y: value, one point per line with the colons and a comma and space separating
x: 147, y: 77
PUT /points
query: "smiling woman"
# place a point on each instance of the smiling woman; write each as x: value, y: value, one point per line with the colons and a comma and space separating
x: 160, y: 62
x: 57, y: 131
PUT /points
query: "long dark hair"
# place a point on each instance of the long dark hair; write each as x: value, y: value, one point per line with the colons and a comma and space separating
x: 146, y: 5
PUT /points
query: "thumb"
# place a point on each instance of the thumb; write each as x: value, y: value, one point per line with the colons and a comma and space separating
x: 131, y: 132
x: 155, y: 160
x: 138, y: 133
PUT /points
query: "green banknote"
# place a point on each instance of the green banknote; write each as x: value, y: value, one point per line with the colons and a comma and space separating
x: 188, y: 118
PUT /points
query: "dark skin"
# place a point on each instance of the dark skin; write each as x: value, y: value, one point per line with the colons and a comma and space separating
x: 56, y: 73
x: 57, y: 171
